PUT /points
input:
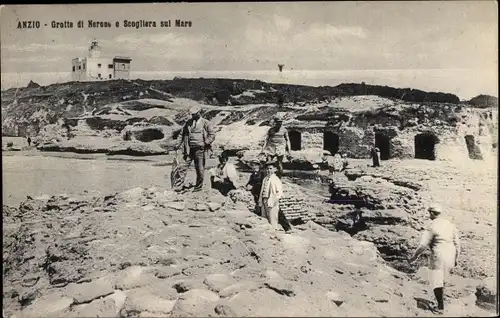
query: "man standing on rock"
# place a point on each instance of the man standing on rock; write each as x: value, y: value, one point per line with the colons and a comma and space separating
x: 277, y: 143
x: 197, y: 137
x: 270, y: 195
x: 443, y: 240
x: 254, y: 185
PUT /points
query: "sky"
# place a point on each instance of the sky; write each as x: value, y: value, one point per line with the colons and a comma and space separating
x: 447, y: 46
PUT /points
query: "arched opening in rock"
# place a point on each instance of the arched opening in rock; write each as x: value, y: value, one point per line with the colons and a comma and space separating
x: 295, y: 140
x: 425, y: 145
x: 382, y: 142
x: 148, y: 134
x: 472, y: 148
x: 331, y: 142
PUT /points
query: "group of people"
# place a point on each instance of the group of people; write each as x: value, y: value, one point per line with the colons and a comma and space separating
x: 264, y: 183
x: 441, y: 236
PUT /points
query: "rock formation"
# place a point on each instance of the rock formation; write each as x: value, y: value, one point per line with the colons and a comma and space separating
x: 152, y: 252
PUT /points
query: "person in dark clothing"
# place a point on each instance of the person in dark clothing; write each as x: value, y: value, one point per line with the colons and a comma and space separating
x: 29, y: 141
x: 375, y: 154
x: 197, y: 137
x: 254, y: 185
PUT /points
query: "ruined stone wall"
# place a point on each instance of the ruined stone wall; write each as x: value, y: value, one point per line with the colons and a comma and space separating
x: 313, y: 139
x: 355, y: 142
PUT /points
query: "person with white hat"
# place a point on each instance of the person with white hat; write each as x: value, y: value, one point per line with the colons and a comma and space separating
x: 196, y: 138
x: 277, y: 143
x: 442, y: 238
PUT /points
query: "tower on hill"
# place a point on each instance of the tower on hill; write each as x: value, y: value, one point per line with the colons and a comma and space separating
x: 94, y: 67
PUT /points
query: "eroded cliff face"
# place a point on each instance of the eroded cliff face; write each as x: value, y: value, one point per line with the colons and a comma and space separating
x: 323, y: 119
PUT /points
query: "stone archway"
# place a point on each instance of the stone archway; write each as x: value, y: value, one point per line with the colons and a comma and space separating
x: 425, y: 146
x: 331, y: 142
x: 382, y: 142
x: 295, y: 140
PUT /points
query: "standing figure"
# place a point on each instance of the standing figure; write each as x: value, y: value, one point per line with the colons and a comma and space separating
x: 375, y: 154
x: 29, y: 141
x: 270, y: 195
x: 224, y: 177
x: 254, y: 184
x: 337, y: 162
x: 443, y: 240
x: 345, y: 163
x: 197, y: 137
x: 277, y: 143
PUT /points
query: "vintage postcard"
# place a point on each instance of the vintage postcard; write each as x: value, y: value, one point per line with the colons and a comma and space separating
x: 250, y: 159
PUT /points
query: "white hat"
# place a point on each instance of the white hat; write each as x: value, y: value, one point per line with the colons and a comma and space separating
x: 278, y: 117
x: 194, y: 110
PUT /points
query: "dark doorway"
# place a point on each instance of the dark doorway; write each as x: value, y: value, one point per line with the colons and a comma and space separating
x: 425, y: 146
x: 382, y: 142
x: 295, y: 140
x: 472, y: 148
x: 331, y: 142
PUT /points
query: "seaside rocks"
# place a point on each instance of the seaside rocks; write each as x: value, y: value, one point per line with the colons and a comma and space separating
x: 487, y: 294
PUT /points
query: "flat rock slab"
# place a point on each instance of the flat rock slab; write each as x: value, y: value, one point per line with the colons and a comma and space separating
x: 238, y: 288
x: 48, y: 306
x: 139, y: 300
x: 195, y: 303
x: 200, y: 294
x: 118, y: 298
x: 133, y: 277
x: 104, y: 307
x: 166, y: 272
x: 275, y: 282
x: 214, y: 206
x: 217, y: 282
x: 86, y: 292
x: 179, y: 206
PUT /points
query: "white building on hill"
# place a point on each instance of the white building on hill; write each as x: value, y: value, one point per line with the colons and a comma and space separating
x: 96, y: 68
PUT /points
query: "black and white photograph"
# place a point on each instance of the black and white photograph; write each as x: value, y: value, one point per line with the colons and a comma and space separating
x: 250, y: 159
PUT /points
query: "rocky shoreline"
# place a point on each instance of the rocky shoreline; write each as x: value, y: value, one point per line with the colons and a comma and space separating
x: 153, y: 252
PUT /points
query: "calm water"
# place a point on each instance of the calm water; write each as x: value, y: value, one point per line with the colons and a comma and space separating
x: 37, y: 175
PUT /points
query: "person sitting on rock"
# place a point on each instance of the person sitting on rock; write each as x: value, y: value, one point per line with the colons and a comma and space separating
x: 443, y: 240
x: 270, y: 195
x: 337, y: 162
x: 345, y: 163
x: 277, y: 143
x: 224, y: 177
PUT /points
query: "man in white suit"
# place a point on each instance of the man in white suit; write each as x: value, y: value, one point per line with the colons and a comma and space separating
x: 442, y: 238
x: 270, y: 195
